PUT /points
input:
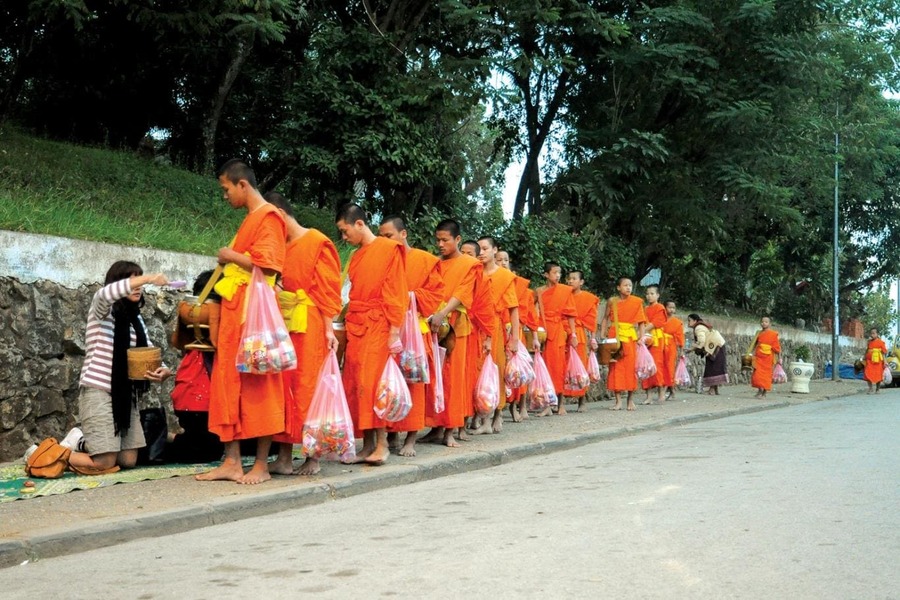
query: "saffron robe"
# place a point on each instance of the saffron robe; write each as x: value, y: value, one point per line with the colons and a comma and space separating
x: 622, y: 375
x: 378, y: 300
x: 423, y: 278
x: 657, y: 317
x: 765, y: 348
x: 459, y: 275
x: 502, y: 283
x: 484, y: 323
x: 245, y: 405
x: 674, y: 334
x: 876, y: 355
x: 528, y: 317
x: 311, y: 267
x: 586, y: 305
x: 557, y: 304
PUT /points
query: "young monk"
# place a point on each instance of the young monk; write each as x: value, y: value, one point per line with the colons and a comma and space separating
x: 423, y: 278
x: 309, y: 301
x: 469, y: 248
x: 528, y: 317
x: 586, y: 305
x: 876, y: 351
x: 505, y: 336
x: 378, y: 301
x: 557, y: 307
x: 766, y: 354
x: 244, y: 405
x: 460, y: 274
x: 674, y: 346
x: 629, y: 310
x: 656, y: 342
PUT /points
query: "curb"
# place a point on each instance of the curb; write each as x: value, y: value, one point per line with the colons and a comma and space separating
x: 219, y: 511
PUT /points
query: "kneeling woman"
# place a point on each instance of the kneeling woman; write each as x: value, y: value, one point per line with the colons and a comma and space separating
x: 107, y: 401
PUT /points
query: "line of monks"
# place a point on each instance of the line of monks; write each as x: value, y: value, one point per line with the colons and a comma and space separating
x: 467, y: 289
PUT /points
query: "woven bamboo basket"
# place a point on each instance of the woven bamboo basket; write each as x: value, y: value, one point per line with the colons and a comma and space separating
x: 141, y: 360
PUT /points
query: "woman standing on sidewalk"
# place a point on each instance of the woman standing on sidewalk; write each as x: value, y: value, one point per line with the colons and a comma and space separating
x: 709, y: 344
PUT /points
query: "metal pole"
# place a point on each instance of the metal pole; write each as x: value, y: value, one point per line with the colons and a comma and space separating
x: 836, y: 323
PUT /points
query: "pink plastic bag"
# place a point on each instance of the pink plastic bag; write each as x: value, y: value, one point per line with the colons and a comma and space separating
x: 437, y: 383
x: 644, y: 366
x: 392, y: 398
x: 487, y: 388
x: 576, y: 376
x: 413, y: 358
x: 778, y: 374
x: 593, y: 367
x: 541, y: 392
x: 887, y: 378
x: 266, y: 345
x: 519, y: 369
x: 682, y: 376
x: 328, y: 430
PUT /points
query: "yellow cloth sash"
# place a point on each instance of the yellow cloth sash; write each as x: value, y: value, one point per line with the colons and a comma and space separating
x: 626, y: 332
x: 424, y: 327
x: 295, y: 309
x: 876, y: 355
x: 233, y: 277
x: 658, y: 336
x: 764, y: 349
x: 462, y: 327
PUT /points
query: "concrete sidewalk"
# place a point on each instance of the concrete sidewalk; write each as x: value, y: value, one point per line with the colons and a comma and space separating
x: 69, y: 523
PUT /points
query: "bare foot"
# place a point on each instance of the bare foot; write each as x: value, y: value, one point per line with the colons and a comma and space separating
x: 562, y: 411
x: 546, y: 412
x: 581, y: 407
x: 310, y: 467
x: 463, y: 436
x: 409, y: 446
x: 281, y: 466
x: 434, y: 436
x: 378, y: 456
x: 630, y: 405
x: 514, y: 413
x: 497, y: 423
x: 616, y: 406
x: 362, y: 455
x: 646, y: 403
x: 258, y: 474
x: 227, y: 471
x: 393, y: 441
x: 449, y: 440
x: 484, y: 428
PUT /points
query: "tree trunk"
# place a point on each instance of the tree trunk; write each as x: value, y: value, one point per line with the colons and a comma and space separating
x: 211, y: 126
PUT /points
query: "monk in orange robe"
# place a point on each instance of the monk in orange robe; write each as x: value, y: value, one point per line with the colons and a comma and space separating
x: 378, y: 301
x: 586, y: 305
x: 674, y: 346
x: 528, y: 317
x: 244, y: 405
x: 505, y: 334
x: 309, y: 300
x: 557, y: 307
x: 628, y: 310
x: 459, y: 273
x: 657, y: 316
x: 484, y: 325
x: 766, y: 350
x: 876, y: 353
x: 423, y: 278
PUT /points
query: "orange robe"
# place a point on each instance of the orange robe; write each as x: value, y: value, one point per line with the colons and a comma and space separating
x: 876, y: 354
x: 313, y: 267
x: 484, y: 323
x: 586, y: 305
x: 378, y: 300
x: 459, y: 275
x: 657, y: 316
x: 764, y: 351
x: 557, y: 305
x: 503, y: 298
x: 423, y: 278
x: 622, y: 376
x: 674, y: 334
x: 244, y: 405
x: 528, y: 317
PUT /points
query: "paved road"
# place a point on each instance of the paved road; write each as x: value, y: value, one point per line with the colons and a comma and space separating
x: 793, y: 503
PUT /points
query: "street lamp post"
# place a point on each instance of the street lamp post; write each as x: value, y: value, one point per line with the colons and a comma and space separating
x: 835, y: 325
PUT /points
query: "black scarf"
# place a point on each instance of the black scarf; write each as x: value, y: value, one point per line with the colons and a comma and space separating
x: 124, y: 391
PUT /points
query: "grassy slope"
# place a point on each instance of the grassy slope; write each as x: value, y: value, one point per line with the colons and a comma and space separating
x: 117, y: 197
